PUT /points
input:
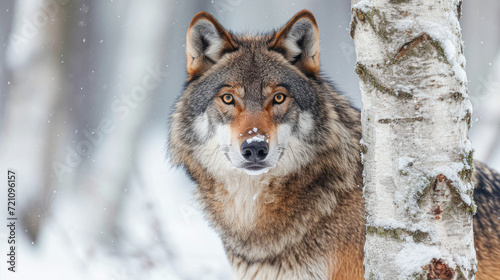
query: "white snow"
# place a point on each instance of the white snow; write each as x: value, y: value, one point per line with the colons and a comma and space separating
x: 256, y: 138
x: 363, y: 5
x: 414, y: 256
x: 405, y: 162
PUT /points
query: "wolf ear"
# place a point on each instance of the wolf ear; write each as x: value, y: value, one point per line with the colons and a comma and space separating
x: 298, y: 41
x: 206, y: 42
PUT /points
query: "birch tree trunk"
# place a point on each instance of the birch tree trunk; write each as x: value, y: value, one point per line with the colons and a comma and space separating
x: 416, y: 153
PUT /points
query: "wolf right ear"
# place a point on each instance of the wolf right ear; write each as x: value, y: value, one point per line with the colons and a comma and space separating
x: 206, y: 42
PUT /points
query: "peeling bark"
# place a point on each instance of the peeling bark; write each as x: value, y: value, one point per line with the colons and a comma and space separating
x: 437, y: 269
x: 416, y: 153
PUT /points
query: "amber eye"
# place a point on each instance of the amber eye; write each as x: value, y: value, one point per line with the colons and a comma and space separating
x: 227, y: 98
x: 279, y: 98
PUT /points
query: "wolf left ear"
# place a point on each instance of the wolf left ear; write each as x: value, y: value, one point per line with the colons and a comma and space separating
x: 298, y: 41
x: 206, y: 42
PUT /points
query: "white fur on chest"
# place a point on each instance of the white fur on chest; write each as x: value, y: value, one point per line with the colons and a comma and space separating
x: 243, y: 198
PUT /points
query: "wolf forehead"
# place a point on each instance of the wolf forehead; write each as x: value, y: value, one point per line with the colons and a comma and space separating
x: 288, y: 57
x: 252, y: 70
x: 253, y: 67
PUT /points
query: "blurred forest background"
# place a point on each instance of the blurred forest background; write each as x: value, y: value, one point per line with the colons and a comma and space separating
x: 86, y: 90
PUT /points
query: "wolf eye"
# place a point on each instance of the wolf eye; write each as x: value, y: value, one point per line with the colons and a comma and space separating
x: 279, y: 98
x: 227, y: 98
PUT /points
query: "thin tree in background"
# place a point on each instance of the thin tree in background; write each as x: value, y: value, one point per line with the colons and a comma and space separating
x: 34, y: 117
x: 486, y: 126
x: 416, y: 153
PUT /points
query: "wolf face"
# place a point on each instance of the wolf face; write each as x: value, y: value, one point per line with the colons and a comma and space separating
x: 249, y: 101
x: 256, y: 119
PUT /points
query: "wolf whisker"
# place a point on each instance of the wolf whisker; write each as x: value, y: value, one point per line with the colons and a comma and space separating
x: 212, y: 155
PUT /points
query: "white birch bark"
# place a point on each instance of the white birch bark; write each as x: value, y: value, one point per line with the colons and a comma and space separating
x: 416, y: 153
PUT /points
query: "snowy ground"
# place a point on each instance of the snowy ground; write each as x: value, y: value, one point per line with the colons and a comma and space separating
x: 162, y: 233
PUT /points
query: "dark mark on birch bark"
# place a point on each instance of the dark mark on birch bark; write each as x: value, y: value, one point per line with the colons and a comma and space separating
x: 369, y: 78
x: 401, y: 120
x: 438, y: 212
x: 422, y: 38
x: 438, y: 269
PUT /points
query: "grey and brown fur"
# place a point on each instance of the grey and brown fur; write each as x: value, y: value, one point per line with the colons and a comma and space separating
x: 301, y: 214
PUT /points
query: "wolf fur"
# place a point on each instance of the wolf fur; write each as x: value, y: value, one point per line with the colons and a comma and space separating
x: 298, y: 213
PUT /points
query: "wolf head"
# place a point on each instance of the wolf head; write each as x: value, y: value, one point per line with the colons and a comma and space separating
x: 254, y: 104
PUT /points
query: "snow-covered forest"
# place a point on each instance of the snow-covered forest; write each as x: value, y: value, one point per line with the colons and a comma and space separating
x: 87, y: 87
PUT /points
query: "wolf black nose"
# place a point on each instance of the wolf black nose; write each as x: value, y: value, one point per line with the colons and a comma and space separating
x: 254, y: 151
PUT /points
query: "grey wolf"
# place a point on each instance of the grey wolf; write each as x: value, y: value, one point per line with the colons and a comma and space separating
x: 274, y: 150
